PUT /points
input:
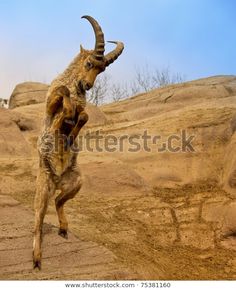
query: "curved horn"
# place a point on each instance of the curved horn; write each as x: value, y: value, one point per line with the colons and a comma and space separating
x: 114, y: 54
x: 99, y: 45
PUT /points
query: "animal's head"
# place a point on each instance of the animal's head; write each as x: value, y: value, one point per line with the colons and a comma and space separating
x: 94, y: 61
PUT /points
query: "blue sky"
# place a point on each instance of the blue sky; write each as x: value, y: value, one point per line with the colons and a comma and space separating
x: 39, y: 38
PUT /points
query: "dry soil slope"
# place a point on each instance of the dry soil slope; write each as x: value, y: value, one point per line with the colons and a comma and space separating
x: 62, y: 259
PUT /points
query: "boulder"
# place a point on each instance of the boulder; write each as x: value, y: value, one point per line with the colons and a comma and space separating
x: 28, y: 93
x: 229, y: 166
x: 12, y: 142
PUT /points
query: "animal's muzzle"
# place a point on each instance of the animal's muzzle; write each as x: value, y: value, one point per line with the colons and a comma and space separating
x: 84, y: 86
x: 87, y: 86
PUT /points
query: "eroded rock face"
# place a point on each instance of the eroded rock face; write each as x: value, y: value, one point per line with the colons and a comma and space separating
x: 28, y: 93
x: 222, y: 215
x: 204, y: 109
x: 229, y: 163
x: 12, y: 142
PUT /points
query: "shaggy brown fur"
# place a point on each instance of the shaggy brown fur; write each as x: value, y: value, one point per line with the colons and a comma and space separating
x: 65, y: 116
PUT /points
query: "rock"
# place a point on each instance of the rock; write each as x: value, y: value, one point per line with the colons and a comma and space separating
x: 232, y: 264
x: 120, y: 180
x: 12, y: 142
x: 165, y: 236
x: 224, y: 217
x: 31, y: 114
x: 154, y: 218
x: 187, y: 214
x: 96, y: 116
x: 197, y: 235
x: 229, y: 243
x: 28, y: 93
x: 8, y: 201
x: 203, y: 109
x: 161, y: 216
x: 229, y: 166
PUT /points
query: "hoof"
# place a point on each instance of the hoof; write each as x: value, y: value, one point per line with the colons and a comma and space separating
x: 37, y: 264
x: 63, y: 233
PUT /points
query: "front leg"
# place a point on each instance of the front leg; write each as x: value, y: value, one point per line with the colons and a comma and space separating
x: 82, y: 120
x: 59, y: 102
x: 60, y: 98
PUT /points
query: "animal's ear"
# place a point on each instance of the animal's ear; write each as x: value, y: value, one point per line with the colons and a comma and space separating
x: 81, y: 48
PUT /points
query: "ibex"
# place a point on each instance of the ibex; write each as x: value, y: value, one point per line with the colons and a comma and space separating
x: 65, y: 116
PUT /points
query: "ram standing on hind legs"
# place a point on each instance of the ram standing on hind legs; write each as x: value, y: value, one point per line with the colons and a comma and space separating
x: 65, y: 116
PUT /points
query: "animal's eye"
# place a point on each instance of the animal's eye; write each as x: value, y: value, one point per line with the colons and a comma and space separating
x: 89, y: 65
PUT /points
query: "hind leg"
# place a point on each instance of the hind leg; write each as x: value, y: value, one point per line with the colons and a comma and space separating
x: 70, y: 185
x: 45, y: 189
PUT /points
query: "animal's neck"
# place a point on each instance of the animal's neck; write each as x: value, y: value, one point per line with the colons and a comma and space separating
x: 70, y: 74
x: 69, y: 78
